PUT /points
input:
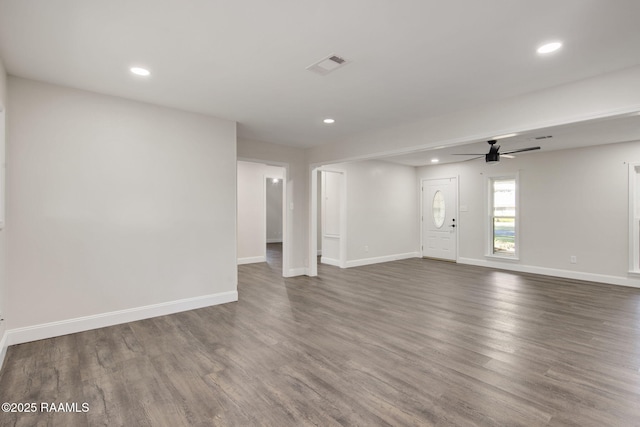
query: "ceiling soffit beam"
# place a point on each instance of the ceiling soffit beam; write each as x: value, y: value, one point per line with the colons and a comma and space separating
x: 607, y: 95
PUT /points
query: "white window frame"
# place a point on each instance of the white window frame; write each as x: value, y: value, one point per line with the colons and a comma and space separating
x: 489, y: 217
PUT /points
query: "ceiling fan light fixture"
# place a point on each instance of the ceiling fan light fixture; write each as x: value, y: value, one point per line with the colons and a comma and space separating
x: 492, y: 157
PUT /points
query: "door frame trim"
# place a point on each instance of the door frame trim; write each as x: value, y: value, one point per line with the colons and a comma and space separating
x: 457, y: 212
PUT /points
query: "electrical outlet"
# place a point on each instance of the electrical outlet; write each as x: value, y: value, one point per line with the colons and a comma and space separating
x: 574, y: 259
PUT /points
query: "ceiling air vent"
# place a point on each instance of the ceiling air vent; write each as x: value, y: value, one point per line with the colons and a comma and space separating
x: 543, y: 137
x: 327, y: 65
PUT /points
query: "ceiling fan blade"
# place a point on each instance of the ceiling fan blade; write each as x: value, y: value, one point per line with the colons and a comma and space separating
x: 507, y: 156
x: 521, y: 150
x: 473, y: 158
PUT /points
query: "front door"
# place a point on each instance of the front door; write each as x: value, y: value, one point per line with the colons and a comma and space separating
x: 439, y: 213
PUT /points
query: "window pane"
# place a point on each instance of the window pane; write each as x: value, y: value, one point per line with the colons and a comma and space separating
x: 504, y: 197
x: 503, y: 216
x: 438, y: 207
x: 504, y: 235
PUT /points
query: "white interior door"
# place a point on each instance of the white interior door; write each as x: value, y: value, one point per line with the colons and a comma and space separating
x: 439, y: 214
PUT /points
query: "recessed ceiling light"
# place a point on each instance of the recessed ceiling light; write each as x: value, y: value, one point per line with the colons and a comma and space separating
x: 549, y: 47
x: 509, y: 135
x: 329, y: 121
x: 435, y: 160
x: 139, y: 71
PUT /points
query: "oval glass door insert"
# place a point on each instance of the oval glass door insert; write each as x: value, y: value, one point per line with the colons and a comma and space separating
x: 438, y: 209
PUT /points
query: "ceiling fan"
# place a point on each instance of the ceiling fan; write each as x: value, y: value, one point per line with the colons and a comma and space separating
x: 494, y: 154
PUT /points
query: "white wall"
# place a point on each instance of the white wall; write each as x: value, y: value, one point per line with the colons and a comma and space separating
x: 252, y: 232
x: 3, y: 84
x: 115, y: 205
x: 572, y: 202
x: 3, y: 279
x: 297, y: 195
x: 274, y: 210
x: 382, y: 212
x: 251, y: 225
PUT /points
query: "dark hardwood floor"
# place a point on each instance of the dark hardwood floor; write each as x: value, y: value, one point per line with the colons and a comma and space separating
x: 413, y: 342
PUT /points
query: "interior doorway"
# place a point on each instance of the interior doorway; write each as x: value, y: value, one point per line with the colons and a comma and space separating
x: 262, y: 219
x: 328, y: 227
x: 332, y: 234
x: 274, y: 197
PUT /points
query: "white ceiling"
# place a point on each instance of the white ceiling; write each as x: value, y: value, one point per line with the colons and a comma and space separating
x: 594, y: 132
x: 245, y: 60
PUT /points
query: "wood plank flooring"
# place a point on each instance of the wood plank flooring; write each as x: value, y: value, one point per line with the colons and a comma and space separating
x: 412, y: 342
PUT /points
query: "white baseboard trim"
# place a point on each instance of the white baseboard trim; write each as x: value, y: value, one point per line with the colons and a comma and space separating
x: 386, y: 258
x: 86, y: 323
x: 566, y: 274
x: 3, y: 348
x: 293, y: 272
x: 274, y: 240
x: 330, y: 261
x: 252, y: 259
